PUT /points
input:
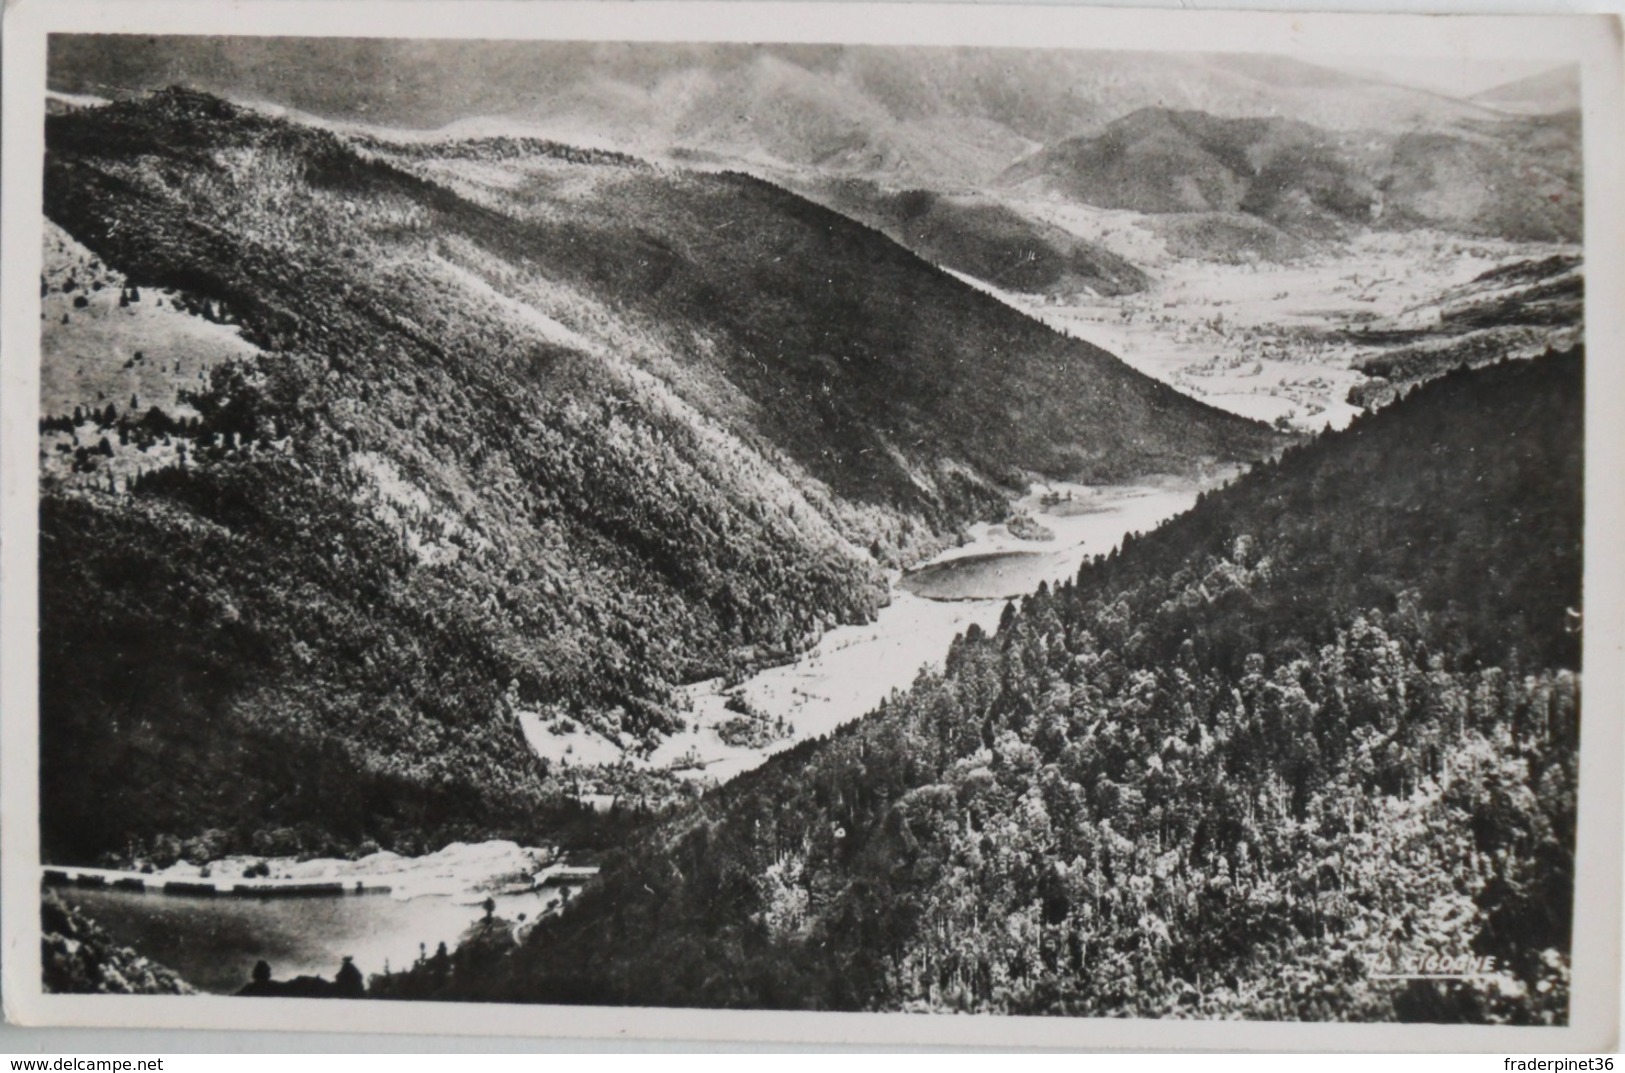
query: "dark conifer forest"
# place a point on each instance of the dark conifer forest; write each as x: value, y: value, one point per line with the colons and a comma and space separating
x: 1321, y: 727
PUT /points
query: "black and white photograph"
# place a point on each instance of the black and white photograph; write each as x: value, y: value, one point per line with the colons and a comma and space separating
x: 814, y: 522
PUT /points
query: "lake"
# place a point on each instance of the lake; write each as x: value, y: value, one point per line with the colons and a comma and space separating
x: 213, y: 943
x: 995, y: 575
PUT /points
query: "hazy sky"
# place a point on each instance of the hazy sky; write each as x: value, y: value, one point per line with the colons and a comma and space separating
x: 142, y: 63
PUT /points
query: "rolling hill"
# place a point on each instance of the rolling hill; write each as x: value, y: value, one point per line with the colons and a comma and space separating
x: 1548, y: 93
x: 1515, y: 178
x: 1321, y: 727
x: 505, y: 427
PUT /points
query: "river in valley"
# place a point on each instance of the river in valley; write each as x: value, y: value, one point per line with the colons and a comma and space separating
x: 854, y: 667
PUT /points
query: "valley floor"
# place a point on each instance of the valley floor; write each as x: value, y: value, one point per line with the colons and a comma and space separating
x: 1256, y: 337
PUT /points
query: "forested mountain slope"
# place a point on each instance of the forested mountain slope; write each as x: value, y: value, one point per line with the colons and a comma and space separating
x: 981, y: 237
x: 853, y: 355
x: 1322, y: 726
x: 550, y: 445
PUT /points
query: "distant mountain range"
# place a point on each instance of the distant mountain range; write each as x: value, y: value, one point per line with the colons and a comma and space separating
x: 947, y: 118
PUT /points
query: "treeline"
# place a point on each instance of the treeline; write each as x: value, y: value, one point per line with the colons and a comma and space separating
x: 1321, y: 727
x: 222, y: 412
x: 497, y: 147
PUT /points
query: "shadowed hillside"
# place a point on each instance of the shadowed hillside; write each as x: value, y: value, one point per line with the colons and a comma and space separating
x: 881, y: 354
x: 1321, y: 727
x: 982, y: 238
x: 519, y: 429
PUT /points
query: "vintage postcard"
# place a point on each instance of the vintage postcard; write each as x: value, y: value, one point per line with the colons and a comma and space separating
x: 889, y: 523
